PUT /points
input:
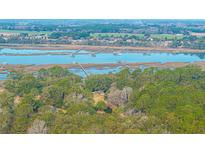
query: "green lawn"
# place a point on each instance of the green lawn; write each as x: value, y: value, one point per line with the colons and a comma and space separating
x: 154, y: 36
x: 167, y: 36
x: 25, y: 31
x: 115, y: 35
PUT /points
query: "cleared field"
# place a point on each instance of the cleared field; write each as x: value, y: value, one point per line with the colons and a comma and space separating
x: 24, y: 31
x: 198, y: 34
x: 154, y: 36
x: 116, y: 35
x: 167, y: 36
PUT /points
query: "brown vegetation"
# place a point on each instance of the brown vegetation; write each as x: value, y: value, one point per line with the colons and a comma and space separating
x: 98, y: 48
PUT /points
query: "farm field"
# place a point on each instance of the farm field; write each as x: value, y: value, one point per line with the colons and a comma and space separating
x: 140, y: 36
x: 115, y: 35
x: 2, y: 31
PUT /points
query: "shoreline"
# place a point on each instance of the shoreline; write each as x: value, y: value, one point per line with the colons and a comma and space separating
x: 35, y: 68
x: 108, y: 49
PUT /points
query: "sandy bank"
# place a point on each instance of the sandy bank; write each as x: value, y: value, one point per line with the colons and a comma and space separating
x: 34, y: 68
x: 98, y: 48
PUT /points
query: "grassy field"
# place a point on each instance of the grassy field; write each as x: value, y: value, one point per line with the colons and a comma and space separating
x: 24, y: 31
x: 154, y: 36
x: 167, y: 36
x: 116, y: 35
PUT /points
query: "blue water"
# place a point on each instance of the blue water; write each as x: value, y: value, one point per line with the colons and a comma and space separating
x: 102, y: 58
x: 78, y: 71
x: 26, y: 51
x: 3, y: 76
x: 88, y: 58
x: 93, y: 70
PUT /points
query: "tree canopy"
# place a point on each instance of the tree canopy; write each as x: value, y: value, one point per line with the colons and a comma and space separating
x: 151, y: 101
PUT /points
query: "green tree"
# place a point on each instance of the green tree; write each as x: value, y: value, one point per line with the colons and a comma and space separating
x: 23, y: 114
x: 54, y: 95
x: 98, y: 83
x: 101, y: 106
x: 23, y: 85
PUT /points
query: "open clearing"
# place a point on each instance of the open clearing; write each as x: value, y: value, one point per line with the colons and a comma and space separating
x: 2, y: 31
x: 141, y: 36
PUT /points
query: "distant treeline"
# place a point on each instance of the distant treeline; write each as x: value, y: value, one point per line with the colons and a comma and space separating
x: 148, y: 33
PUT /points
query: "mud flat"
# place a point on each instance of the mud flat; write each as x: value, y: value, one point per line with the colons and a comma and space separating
x: 34, y: 68
x: 93, y: 68
x: 99, y: 48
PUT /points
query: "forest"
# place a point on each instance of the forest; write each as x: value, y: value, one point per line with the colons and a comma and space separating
x: 149, y: 101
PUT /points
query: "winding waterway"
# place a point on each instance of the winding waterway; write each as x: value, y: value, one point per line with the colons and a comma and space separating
x: 90, y: 57
x: 40, y: 57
